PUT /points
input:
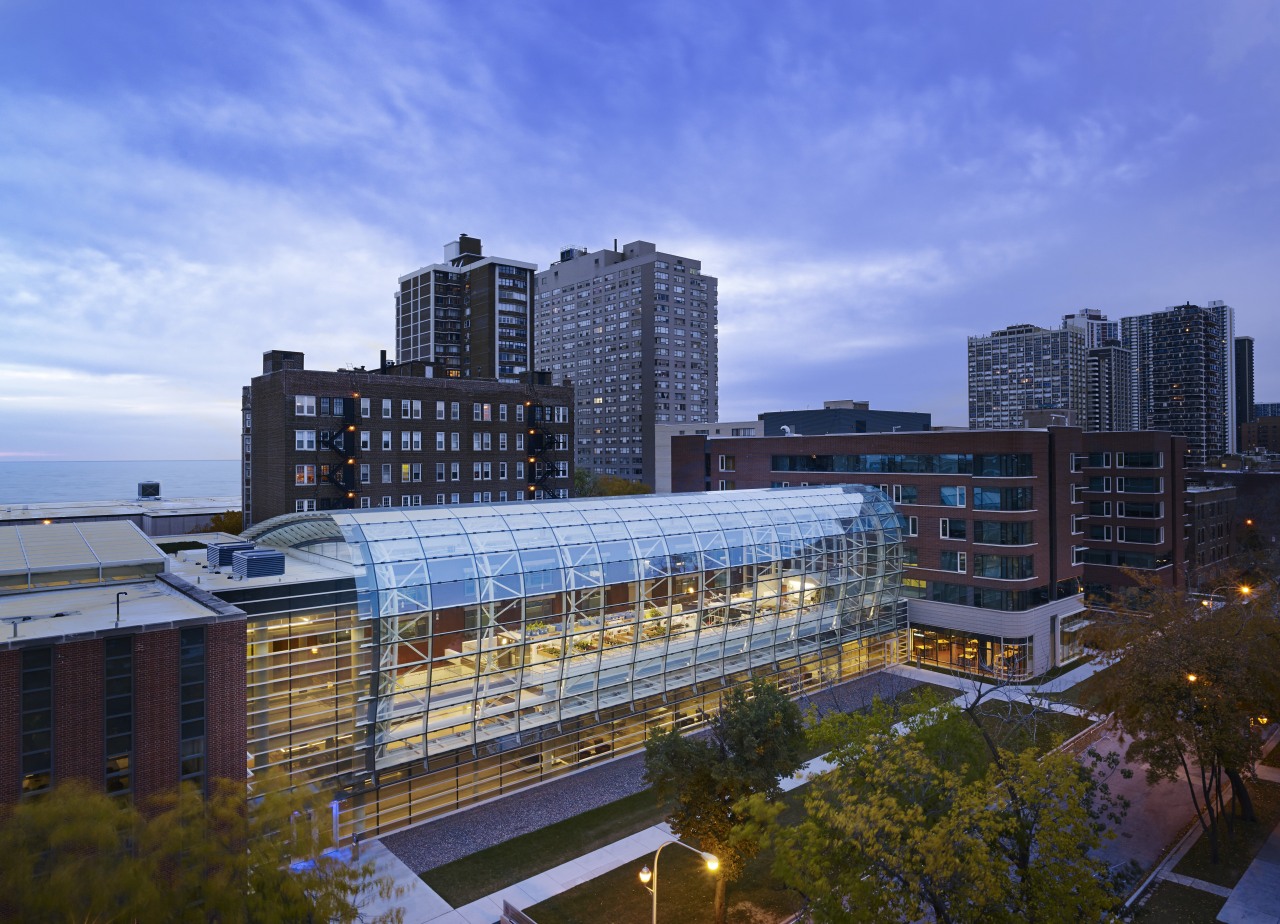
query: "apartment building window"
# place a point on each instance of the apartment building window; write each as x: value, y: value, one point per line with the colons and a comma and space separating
x: 562, y: 469
x: 406, y: 500
x: 1077, y: 554
x: 405, y: 409
x: 365, y: 409
x: 475, y: 442
x: 455, y: 410
x: 728, y: 485
x: 519, y: 442
x: 386, y: 440
x: 386, y: 500
x: 953, y: 496
x: 304, y: 405
x: 439, y: 410
x: 304, y: 439
x: 364, y: 440
x: 455, y: 498
x: 562, y: 442
x: 386, y: 473
x: 475, y: 471
x: 910, y: 556
x: 364, y: 472
x: 1002, y: 499
x: 953, y: 529
x: 502, y: 416
x: 502, y: 496
x: 440, y: 476
x: 953, y: 561
x: 520, y: 471
x: 37, y: 720
x: 561, y: 414
x: 191, y: 704
x: 386, y: 408
x: 117, y: 713
x: 1100, y: 533
x: 440, y: 500
x: 728, y: 463
x: 304, y: 474
x: 1100, y: 460
x: 476, y: 496
x: 365, y: 503
x: 455, y: 471
x: 305, y: 505
x: 1100, y: 483
x: 519, y: 413
x: 502, y: 471
x: 1101, y: 508
x: 910, y: 525
x: 502, y: 442
x: 475, y: 411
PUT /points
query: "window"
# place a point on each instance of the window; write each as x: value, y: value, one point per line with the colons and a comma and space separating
x: 304, y: 405
x: 440, y: 499
x: 386, y: 440
x: 455, y: 442
x: 455, y: 410
x: 1100, y: 533
x: 439, y: 410
x: 953, y: 496
x: 953, y: 529
x: 386, y: 500
x: 993, y: 532
x: 1076, y: 522
x: 910, y: 525
x: 953, y: 561
x: 1004, y: 567
x: 561, y: 414
x: 475, y: 442
x: 440, y: 475
x: 519, y: 471
x: 519, y: 442
x: 562, y: 469
x: 729, y: 485
x: 37, y: 720
x: 304, y: 474
x: 406, y: 500
x: 386, y: 408
x: 502, y: 442
x: 475, y: 411
x: 455, y: 472
x: 417, y: 410
x: 364, y: 440
x: 1101, y: 483
x: 728, y: 463
x: 502, y: 415
x: 306, y: 505
x: 364, y: 472
x: 364, y: 503
x: 475, y: 471
x: 1002, y: 499
x: 519, y: 413
x: 405, y: 472
x: 502, y: 471
x: 386, y: 473
x: 1102, y: 508
x: 304, y: 439
x: 1077, y: 554
x: 415, y: 471
x: 191, y: 704
x: 455, y: 498
x: 502, y: 496
x: 365, y: 410
x: 117, y: 712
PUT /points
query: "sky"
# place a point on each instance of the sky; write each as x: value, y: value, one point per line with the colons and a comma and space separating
x: 184, y: 186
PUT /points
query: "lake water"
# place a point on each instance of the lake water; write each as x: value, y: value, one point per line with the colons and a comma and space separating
x: 42, y: 482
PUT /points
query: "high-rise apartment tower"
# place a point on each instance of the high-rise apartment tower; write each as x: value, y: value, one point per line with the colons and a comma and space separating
x: 634, y: 330
x: 468, y: 316
x: 1026, y: 368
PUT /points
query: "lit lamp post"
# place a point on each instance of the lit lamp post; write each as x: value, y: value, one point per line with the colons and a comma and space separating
x: 1244, y: 589
x: 713, y: 864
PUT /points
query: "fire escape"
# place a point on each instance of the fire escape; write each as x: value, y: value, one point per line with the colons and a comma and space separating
x: 539, y: 442
x: 346, y: 444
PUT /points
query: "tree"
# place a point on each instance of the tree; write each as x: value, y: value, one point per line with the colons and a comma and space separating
x: 1188, y: 681
x: 78, y: 855
x: 230, y: 521
x: 755, y: 739
x: 918, y: 819
x: 586, y: 484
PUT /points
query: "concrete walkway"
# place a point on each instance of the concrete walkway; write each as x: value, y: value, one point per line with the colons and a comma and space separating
x: 1256, y: 897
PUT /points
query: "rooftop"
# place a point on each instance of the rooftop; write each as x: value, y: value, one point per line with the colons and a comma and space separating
x: 58, y: 554
x: 62, y: 510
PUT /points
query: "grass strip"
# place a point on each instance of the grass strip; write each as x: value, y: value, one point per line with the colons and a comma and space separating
x: 1171, y: 903
x: 1236, y: 851
x: 512, y: 861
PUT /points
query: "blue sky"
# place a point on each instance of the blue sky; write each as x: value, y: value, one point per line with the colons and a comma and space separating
x: 183, y: 187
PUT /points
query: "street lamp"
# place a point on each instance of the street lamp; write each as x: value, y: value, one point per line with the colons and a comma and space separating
x: 1244, y: 590
x: 712, y: 861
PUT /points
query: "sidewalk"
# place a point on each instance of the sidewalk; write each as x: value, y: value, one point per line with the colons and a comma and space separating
x: 1256, y: 897
x: 423, y: 906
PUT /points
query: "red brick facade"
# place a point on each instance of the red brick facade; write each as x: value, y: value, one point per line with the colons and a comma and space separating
x: 10, y: 725
x: 78, y: 749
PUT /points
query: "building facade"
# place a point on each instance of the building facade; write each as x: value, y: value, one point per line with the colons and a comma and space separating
x: 843, y: 417
x: 1211, y: 534
x: 1022, y: 369
x: 1261, y: 433
x: 1183, y: 375
x: 1094, y: 325
x: 414, y: 661
x: 635, y: 332
x: 1244, y: 383
x: 1109, y: 388
x: 469, y: 315
x: 113, y: 671
x: 397, y: 436
x: 996, y: 524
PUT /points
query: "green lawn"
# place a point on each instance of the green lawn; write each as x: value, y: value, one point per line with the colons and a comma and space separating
x: 1273, y: 759
x: 686, y: 891
x: 1171, y: 903
x: 1237, y: 852
x: 1086, y: 693
x: 1018, y: 726
x: 505, y: 864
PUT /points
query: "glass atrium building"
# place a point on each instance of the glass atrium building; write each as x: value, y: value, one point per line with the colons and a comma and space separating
x: 482, y: 648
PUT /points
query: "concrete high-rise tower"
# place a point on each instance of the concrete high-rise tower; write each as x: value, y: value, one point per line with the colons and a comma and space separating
x: 469, y: 315
x: 1025, y: 368
x: 634, y: 330
x: 1244, y: 382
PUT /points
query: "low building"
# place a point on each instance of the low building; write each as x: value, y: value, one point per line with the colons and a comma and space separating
x: 113, y: 670
x: 841, y: 417
x: 154, y: 516
x: 414, y: 661
x: 397, y: 436
x: 663, y: 433
x: 996, y: 525
x: 1211, y: 534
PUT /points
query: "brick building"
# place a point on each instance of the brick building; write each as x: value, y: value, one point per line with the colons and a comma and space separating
x: 997, y: 524
x: 397, y: 436
x: 112, y: 670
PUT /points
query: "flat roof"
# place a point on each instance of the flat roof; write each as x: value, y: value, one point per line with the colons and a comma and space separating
x: 167, y: 506
x: 300, y: 567
x: 67, y: 612
x: 40, y: 554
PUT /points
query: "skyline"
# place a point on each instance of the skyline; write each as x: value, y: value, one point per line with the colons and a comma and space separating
x: 181, y: 193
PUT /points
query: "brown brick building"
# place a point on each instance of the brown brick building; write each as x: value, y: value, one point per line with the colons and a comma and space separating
x: 396, y: 436
x: 132, y: 700
x: 997, y: 524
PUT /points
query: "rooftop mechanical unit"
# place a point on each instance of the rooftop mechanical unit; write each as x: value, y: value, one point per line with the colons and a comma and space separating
x: 220, y: 552
x: 252, y: 563
x: 148, y: 490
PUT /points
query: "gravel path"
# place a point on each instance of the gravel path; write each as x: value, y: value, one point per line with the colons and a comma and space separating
x: 435, y: 843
